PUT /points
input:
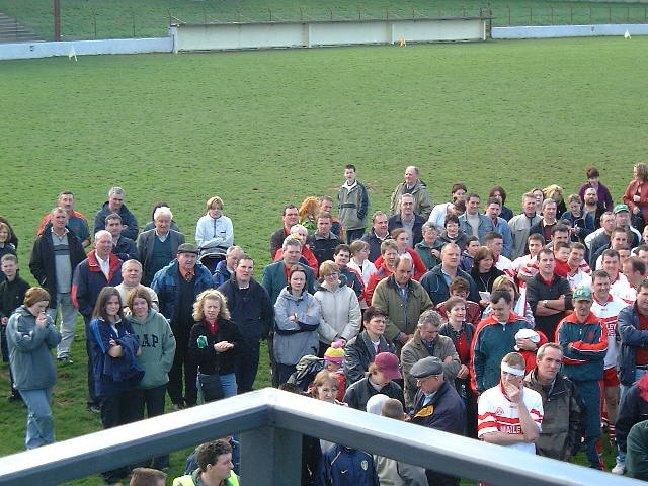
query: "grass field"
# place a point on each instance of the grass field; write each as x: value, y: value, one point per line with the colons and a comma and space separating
x: 82, y: 19
x: 263, y: 129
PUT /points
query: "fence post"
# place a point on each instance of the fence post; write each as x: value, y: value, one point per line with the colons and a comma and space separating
x: 133, y: 16
x: 590, y: 14
x: 571, y: 16
x: 301, y: 12
x: 552, y: 15
x: 609, y: 15
x: 509, y: 14
x: 386, y: 13
x: 94, y: 21
x: 57, y: 20
x: 271, y: 456
x: 270, y: 14
x: 531, y: 20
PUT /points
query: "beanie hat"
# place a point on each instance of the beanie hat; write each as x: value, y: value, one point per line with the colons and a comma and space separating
x: 335, y: 353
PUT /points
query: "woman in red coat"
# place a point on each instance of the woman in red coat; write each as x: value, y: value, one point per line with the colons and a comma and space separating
x: 636, y: 195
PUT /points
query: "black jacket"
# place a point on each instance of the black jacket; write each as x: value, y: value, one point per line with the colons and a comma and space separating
x: 208, y: 360
x: 42, y: 261
x: 251, y: 310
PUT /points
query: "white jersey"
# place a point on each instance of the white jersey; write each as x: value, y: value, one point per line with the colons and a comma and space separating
x: 582, y: 277
x: 505, y: 265
x: 608, y: 312
x: 621, y: 288
x: 496, y: 412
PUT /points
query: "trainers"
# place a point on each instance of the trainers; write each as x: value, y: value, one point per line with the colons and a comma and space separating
x: 94, y: 408
x: 618, y: 469
x: 65, y: 360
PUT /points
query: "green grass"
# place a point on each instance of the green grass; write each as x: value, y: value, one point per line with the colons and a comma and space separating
x: 83, y: 19
x: 263, y: 129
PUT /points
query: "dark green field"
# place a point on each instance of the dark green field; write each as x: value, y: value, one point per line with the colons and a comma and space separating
x: 83, y: 19
x: 263, y: 129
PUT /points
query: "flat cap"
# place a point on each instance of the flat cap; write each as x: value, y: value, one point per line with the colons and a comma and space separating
x: 428, y: 366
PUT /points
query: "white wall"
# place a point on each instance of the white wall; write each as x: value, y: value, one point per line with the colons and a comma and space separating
x: 86, y: 48
x: 542, y: 31
x: 264, y: 35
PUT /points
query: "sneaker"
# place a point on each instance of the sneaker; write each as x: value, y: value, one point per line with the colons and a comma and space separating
x: 65, y: 360
x: 618, y: 469
x: 177, y: 406
x: 94, y: 408
x: 14, y: 397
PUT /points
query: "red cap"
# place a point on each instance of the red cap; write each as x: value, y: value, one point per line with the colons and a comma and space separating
x: 388, y: 364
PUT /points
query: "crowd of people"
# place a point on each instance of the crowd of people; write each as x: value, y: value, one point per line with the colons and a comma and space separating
x: 528, y: 331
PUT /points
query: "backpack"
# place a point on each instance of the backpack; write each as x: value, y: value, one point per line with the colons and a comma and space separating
x: 307, y: 367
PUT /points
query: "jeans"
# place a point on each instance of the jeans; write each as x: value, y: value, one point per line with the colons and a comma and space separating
x: 40, y: 423
x: 68, y: 321
x: 227, y: 383
x: 624, y: 388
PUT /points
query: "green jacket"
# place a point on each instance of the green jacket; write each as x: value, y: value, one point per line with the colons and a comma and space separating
x: 193, y: 479
x: 402, y: 314
x: 158, y: 348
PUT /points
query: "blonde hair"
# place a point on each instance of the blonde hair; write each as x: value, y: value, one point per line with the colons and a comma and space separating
x: 328, y: 267
x: 322, y: 378
x: 215, y: 200
x: 309, y: 207
x: 198, y: 313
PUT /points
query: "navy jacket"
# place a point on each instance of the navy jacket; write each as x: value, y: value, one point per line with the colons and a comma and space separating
x: 631, y: 338
x: 251, y: 310
x: 446, y: 411
x: 434, y: 283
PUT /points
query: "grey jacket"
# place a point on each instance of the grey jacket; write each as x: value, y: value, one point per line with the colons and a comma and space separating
x: 158, y: 348
x: 30, y: 356
x: 353, y: 206
x: 414, y: 350
x: 294, y: 339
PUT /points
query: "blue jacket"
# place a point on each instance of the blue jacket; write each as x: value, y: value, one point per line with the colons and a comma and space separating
x: 584, y: 346
x: 221, y: 274
x: 165, y: 284
x: 108, y: 381
x: 485, y: 225
x: 128, y: 219
x: 342, y: 466
x: 631, y: 338
x: 446, y: 411
x: 434, y: 283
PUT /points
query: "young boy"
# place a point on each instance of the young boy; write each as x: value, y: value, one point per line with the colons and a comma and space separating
x: 12, y: 294
x: 561, y: 254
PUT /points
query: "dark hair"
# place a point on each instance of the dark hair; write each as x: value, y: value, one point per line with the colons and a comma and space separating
x: 470, y: 239
x: 546, y: 251
x: 350, y: 166
x: 592, y: 172
x: 577, y: 245
x: 156, y: 206
x: 289, y: 206
x: 610, y: 253
x: 372, y: 312
x: 112, y: 216
x: 498, y: 295
x: 100, y: 307
x: 561, y: 244
x: 451, y: 218
x: 471, y: 195
x: 209, y: 452
x: 559, y: 227
x: 499, y: 189
x: 600, y: 274
x: 294, y: 269
x: 342, y: 247
x: 458, y: 185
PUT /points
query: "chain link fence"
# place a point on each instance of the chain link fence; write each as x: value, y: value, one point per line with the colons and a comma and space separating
x: 83, y: 20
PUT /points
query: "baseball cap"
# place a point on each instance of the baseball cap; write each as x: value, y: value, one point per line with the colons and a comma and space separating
x: 388, y: 364
x: 619, y: 208
x: 428, y: 366
x: 582, y: 293
x: 188, y: 248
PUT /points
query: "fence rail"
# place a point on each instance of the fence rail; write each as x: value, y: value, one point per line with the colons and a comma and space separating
x: 97, y: 21
x: 271, y: 424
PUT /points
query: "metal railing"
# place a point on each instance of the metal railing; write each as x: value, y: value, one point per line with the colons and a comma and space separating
x: 271, y: 424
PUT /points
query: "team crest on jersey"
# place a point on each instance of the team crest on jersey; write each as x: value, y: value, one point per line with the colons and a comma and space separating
x: 364, y: 465
x: 499, y: 411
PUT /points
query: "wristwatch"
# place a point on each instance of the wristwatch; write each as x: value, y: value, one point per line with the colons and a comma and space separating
x: 544, y: 302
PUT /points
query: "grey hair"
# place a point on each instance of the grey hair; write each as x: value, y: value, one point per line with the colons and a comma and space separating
x: 162, y: 211
x: 430, y: 316
x: 116, y: 190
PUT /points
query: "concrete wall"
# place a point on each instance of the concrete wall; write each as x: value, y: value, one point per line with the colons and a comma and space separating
x: 543, y: 31
x: 264, y: 35
x: 86, y: 48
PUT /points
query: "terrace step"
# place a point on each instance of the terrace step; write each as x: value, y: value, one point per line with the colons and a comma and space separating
x: 12, y: 32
